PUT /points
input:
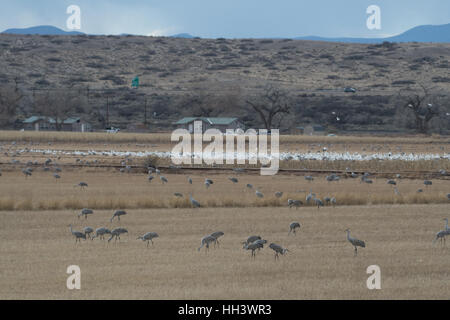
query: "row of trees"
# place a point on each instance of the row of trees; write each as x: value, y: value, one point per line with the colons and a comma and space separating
x: 272, y: 106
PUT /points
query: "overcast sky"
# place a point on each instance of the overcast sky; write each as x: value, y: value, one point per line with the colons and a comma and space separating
x: 230, y: 18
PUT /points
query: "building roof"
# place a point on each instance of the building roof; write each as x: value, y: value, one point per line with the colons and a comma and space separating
x: 212, y: 121
x: 33, y: 119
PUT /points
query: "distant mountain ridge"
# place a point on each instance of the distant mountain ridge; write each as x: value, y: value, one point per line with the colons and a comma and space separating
x: 41, y: 30
x: 425, y: 33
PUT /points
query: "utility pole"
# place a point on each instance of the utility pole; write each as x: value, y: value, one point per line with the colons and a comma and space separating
x: 107, y: 111
x: 145, y: 112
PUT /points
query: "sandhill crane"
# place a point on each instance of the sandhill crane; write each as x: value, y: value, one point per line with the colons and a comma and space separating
x: 309, y: 178
x: 58, y: 169
x: 177, y: 194
x: 77, y: 234
x: 427, y: 183
x: 26, y: 172
x: 250, y: 186
x: 115, y: 233
x: 392, y: 182
x: 84, y: 212
x: 355, y: 242
x: 419, y: 190
x: 149, y: 236
x: 208, y: 182
x: 441, y: 236
x: 88, y: 231
x: 117, y: 214
x: 189, y: 180
x: 157, y: 171
x: 216, y: 235
x: 448, y: 196
x: 259, y: 194
x: 333, y: 201
x: 294, y: 203
x: 163, y: 179
x: 293, y: 226
x: 257, y: 244
x: 57, y: 176
x: 278, y: 250
x: 310, y: 196
x: 206, y: 240
x: 194, y: 202
x: 318, y: 202
x: 150, y: 178
x: 233, y: 179
x: 100, y: 232
x: 278, y: 194
x: 251, y: 239
x: 82, y: 185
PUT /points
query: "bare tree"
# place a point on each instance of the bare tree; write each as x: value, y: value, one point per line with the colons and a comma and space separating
x: 272, y: 103
x: 421, y: 106
x: 58, y: 105
x: 10, y: 96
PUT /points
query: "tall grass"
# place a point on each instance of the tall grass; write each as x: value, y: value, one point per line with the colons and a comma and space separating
x: 344, y: 199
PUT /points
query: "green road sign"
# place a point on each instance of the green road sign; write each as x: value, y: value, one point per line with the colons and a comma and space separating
x: 135, y: 82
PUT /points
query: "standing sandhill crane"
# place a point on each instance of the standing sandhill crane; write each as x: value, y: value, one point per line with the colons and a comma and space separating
x: 84, y: 212
x: 117, y: 214
x: 293, y: 226
x: 77, y: 234
x: 57, y: 176
x: 82, y: 185
x: 278, y: 194
x: 26, y: 172
x: 278, y: 250
x: 149, y: 236
x: 233, y: 179
x: 259, y: 194
x: 216, y: 235
x: 116, y: 233
x: 333, y: 201
x: 251, y: 239
x: 189, y: 180
x: 194, y: 202
x: 177, y: 194
x: 150, y: 178
x: 157, y: 171
x: 310, y: 196
x: 88, y: 231
x: 392, y: 182
x: 163, y: 179
x: 208, y: 182
x: 294, y: 203
x: 100, y: 232
x: 441, y: 236
x: 309, y: 178
x: 206, y: 240
x: 318, y: 202
x: 427, y: 183
x: 355, y: 242
x: 258, y: 244
x: 250, y: 186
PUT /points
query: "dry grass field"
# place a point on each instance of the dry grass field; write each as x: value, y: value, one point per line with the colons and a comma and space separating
x: 36, y: 245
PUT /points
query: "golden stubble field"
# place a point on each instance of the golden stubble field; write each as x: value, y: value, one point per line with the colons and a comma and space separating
x: 36, y: 248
